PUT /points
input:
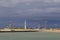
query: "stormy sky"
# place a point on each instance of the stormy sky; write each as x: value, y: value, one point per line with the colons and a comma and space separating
x: 16, y: 10
x: 29, y: 8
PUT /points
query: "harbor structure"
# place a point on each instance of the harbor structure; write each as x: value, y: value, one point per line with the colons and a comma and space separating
x: 10, y: 28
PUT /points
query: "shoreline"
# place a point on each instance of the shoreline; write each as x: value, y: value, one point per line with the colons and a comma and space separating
x: 49, y: 30
x: 29, y: 30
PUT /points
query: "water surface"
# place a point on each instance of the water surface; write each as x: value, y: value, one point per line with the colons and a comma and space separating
x: 30, y: 36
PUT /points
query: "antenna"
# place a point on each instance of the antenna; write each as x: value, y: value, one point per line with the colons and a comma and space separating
x: 38, y: 26
x: 55, y: 25
x: 25, y: 24
x: 10, y: 24
x: 45, y: 24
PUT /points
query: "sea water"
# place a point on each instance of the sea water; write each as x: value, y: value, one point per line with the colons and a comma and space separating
x: 29, y: 36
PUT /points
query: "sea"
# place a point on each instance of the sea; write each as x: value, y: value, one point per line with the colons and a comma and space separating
x: 29, y: 36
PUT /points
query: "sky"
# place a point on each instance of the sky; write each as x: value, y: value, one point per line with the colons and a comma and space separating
x: 22, y: 8
x: 30, y: 9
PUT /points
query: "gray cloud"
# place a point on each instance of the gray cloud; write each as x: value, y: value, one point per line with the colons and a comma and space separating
x: 29, y: 8
x: 11, y: 3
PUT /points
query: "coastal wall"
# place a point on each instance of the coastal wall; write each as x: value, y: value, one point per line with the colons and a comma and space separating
x: 19, y: 30
x: 31, y: 30
x: 50, y: 30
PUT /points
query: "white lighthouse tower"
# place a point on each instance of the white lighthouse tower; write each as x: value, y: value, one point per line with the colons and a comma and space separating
x: 25, y: 24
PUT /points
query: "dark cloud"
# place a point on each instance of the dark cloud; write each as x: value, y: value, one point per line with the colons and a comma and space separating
x: 22, y: 8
